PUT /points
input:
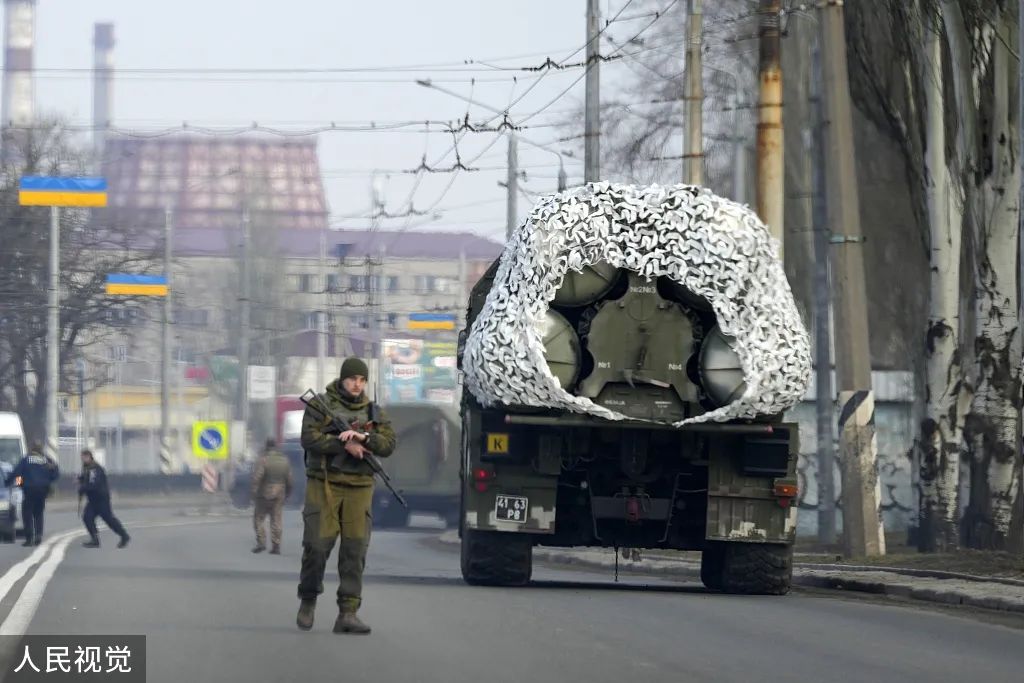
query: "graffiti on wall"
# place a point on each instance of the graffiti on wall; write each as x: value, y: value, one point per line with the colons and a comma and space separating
x: 894, y: 434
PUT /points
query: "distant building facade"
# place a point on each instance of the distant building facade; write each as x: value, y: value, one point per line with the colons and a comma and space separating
x: 255, y: 207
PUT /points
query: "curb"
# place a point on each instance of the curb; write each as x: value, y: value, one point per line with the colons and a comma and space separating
x: 814, y: 576
x: 908, y: 571
x: 943, y: 597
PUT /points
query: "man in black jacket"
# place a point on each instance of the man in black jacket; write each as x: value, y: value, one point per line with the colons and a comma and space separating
x: 92, y: 483
x: 36, y: 472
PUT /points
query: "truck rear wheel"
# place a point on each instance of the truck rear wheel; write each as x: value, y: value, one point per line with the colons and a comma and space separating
x: 387, y: 514
x: 494, y: 558
x: 748, y: 568
x: 711, y: 560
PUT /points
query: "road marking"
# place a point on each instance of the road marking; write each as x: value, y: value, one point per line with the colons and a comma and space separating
x: 24, y: 609
x: 21, y: 614
x: 19, y: 570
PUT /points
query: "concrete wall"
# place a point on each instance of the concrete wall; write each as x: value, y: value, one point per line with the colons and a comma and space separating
x: 894, y: 424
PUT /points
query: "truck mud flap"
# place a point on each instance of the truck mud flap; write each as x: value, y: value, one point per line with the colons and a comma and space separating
x: 744, y: 508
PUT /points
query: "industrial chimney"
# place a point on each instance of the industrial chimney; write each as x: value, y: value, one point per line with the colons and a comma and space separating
x: 103, y: 86
x: 18, y: 98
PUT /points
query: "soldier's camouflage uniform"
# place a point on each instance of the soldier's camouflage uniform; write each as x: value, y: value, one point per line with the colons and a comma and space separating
x: 339, y: 496
x: 271, y: 485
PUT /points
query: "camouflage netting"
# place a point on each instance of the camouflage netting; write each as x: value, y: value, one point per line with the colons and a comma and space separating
x: 715, y: 247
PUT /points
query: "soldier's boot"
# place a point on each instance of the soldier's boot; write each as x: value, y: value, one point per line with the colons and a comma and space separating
x: 304, y: 619
x: 348, y: 622
x: 259, y: 549
x: 124, y: 541
x: 276, y: 550
x: 93, y: 542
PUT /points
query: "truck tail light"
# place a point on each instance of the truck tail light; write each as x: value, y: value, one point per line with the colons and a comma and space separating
x: 786, y: 493
x: 481, y: 477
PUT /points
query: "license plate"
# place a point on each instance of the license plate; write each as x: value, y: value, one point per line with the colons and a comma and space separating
x: 511, y: 508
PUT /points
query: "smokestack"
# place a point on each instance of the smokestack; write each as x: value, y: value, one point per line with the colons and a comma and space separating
x: 103, y: 86
x: 17, y: 102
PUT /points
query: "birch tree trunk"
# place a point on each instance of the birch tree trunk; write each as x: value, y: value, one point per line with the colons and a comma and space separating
x: 992, y: 428
x: 940, y: 436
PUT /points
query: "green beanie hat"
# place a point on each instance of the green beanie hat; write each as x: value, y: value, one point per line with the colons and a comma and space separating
x: 354, y: 366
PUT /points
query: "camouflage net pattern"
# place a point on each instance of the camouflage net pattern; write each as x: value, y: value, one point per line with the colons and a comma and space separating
x: 716, y: 248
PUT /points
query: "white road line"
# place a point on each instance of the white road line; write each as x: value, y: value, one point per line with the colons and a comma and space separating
x: 21, y: 614
x: 24, y: 609
x: 19, y: 570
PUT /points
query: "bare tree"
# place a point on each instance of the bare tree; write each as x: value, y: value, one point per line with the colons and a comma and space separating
x: 90, y: 250
x: 937, y: 75
x: 979, y: 34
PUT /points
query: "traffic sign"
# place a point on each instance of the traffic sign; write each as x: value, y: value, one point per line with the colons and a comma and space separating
x: 262, y: 382
x: 210, y: 440
x: 54, y: 191
x: 136, y: 285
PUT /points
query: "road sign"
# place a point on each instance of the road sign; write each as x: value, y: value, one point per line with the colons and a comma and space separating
x: 262, y: 382
x: 53, y: 191
x: 210, y: 440
x: 136, y: 285
x: 431, y: 321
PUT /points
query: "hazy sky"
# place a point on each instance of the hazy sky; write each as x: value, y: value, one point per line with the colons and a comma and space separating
x: 319, y: 34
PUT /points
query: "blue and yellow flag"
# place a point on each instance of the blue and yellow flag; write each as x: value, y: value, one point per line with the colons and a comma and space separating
x: 49, y: 191
x: 136, y: 285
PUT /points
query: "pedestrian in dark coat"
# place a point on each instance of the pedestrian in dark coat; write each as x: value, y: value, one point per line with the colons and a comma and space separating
x: 92, y: 483
x: 36, y: 472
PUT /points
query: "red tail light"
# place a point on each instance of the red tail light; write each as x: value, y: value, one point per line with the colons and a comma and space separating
x: 786, y: 493
x: 482, y: 475
x: 786, y: 490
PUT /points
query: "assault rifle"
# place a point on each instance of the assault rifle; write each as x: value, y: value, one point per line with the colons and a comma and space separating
x: 315, y: 403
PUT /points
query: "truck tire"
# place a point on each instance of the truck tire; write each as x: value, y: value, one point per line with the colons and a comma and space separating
x: 494, y: 558
x: 390, y: 515
x: 756, y: 568
x: 711, y: 560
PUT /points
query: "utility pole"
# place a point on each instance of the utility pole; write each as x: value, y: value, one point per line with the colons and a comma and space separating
x: 1020, y: 159
x: 80, y: 366
x: 463, y: 289
x: 822, y: 308
x: 770, y: 159
x: 166, y: 463
x: 592, y: 131
x: 862, y: 525
x: 511, y: 211
x: 53, y: 336
x: 321, y: 315
x: 693, y: 154
x: 739, y: 168
x: 373, y: 307
x: 243, y: 337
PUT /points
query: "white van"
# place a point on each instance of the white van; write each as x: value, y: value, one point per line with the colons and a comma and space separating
x: 12, y: 448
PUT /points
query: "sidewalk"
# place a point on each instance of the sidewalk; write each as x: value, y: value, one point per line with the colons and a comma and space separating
x: 928, y: 585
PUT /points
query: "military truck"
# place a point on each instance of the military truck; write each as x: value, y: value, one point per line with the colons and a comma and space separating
x: 652, y: 351
x: 425, y: 464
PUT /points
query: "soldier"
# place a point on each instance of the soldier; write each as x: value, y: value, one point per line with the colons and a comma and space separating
x: 37, y: 472
x: 271, y: 485
x: 92, y: 483
x: 339, y: 493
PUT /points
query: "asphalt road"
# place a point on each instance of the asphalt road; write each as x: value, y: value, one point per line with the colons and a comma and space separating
x: 212, y: 611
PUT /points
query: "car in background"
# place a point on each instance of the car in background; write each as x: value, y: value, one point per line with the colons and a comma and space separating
x: 12, y: 449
